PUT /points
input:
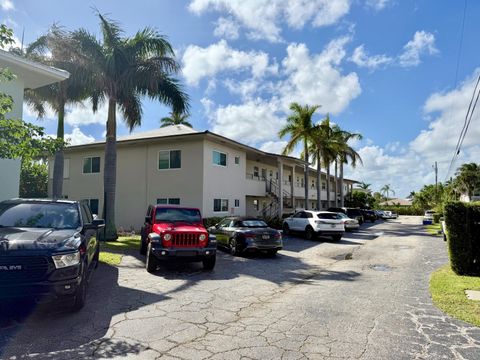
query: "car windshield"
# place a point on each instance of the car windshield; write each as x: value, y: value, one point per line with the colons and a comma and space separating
x: 178, y: 215
x: 331, y: 216
x: 39, y: 215
x: 253, y: 223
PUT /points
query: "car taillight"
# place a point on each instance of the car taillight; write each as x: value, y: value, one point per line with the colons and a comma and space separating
x: 249, y: 236
x: 277, y: 235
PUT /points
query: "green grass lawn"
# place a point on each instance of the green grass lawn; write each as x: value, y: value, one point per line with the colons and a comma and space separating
x: 448, y: 293
x: 111, y: 252
x: 434, y: 229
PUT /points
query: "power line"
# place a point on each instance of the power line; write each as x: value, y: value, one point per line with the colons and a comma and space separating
x: 461, y: 42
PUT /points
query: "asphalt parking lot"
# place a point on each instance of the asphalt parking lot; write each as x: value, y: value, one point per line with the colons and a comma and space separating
x: 365, y: 297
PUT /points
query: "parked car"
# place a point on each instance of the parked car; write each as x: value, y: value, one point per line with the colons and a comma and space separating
x: 350, y: 224
x: 352, y: 213
x: 429, y: 214
x: 48, y: 250
x: 389, y: 215
x: 369, y: 215
x: 243, y: 234
x: 313, y: 223
x: 380, y: 214
x: 176, y: 233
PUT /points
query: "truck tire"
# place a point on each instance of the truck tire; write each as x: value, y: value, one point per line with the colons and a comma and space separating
x: 143, y: 246
x: 152, y: 263
x: 81, y: 292
x: 209, y: 263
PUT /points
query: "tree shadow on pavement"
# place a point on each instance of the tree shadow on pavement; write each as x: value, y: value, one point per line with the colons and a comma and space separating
x: 52, y: 331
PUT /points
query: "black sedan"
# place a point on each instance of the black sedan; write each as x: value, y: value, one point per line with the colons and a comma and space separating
x: 244, y: 234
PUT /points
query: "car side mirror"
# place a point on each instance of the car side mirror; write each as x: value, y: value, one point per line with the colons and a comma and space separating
x: 95, y: 224
x: 148, y: 219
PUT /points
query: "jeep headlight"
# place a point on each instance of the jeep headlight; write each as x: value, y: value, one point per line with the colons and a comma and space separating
x: 167, y: 237
x: 65, y: 260
x: 202, y: 237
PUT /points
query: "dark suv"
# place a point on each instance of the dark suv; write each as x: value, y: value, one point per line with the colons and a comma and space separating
x: 369, y: 215
x: 176, y: 233
x: 48, y: 249
x: 352, y: 213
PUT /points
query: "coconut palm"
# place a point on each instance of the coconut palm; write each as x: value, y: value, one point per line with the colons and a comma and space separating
x: 121, y: 70
x: 49, y: 50
x: 363, y: 185
x: 468, y: 178
x: 347, y: 155
x: 300, y: 128
x: 175, y: 119
x: 385, y: 190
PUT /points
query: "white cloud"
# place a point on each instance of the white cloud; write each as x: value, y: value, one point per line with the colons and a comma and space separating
x: 317, y: 79
x: 275, y: 147
x: 422, y: 43
x: 77, y: 137
x: 199, y: 62
x: 7, y: 5
x: 226, y: 28
x: 372, y: 62
x: 409, y: 167
x: 241, y: 122
x: 378, y: 4
x: 263, y: 18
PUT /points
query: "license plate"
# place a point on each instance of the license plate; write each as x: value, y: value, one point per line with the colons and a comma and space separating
x: 333, y: 226
x: 186, y: 253
x: 265, y: 237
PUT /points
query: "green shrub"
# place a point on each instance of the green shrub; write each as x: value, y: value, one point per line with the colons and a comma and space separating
x: 463, y: 232
x: 211, y: 221
x: 436, y: 218
x: 274, y: 222
x: 403, y: 210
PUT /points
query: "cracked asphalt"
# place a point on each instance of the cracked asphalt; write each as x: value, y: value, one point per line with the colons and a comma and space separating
x: 307, y: 303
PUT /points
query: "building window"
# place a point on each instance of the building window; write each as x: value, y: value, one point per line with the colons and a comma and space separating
x: 264, y: 174
x: 237, y: 160
x: 255, y: 204
x: 93, y: 205
x: 220, y: 205
x: 237, y: 203
x: 169, y: 201
x: 91, y: 165
x: 169, y: 159
x: 219, y: 158
x: 323, y: 185
x: 270, y: 174
x: 255, y: 171
x: 276, y: 175
x: 313, y: 184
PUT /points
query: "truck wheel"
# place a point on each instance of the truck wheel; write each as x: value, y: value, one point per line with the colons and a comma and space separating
x: 309, y: 233
x: 209, y: 263
x: 286, y: 229
x: 152, y: 263
x: 81, y: 293
x: 143, y: 246
x: 336, y: 238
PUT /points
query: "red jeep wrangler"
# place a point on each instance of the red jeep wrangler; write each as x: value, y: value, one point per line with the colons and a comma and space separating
x: 174, y: 232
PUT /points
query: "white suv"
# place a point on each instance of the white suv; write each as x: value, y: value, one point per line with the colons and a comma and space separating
x: 313, y: 223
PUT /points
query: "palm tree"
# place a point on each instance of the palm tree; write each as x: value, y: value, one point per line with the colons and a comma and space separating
x: 385, y: 190
x: 175, y: 119
x: 300, y: 128
x: 468, y: 178
x: 347, y: 155
x: 121, y: 70
x: 49, y: 50
x: 363, y: 185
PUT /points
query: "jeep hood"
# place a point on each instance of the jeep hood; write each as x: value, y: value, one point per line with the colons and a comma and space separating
x: 179, y: 227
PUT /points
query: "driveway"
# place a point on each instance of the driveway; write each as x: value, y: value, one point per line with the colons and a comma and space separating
x: 307, y: 303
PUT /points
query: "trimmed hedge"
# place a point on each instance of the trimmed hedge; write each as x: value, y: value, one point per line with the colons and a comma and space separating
x: 402, y: 210
x: 211, y: 221
x: 463, y: 233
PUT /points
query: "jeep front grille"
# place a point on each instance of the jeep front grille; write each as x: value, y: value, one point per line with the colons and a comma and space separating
x: 185, y: 240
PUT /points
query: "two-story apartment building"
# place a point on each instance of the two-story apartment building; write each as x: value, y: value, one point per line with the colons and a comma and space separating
x: 179, y: 165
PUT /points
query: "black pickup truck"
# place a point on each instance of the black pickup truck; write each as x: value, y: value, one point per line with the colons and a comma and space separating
x: 48, y: 249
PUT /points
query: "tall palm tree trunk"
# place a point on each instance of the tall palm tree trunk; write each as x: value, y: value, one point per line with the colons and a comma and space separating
x: 306, y: 174
x: 342, y: 195
x: 336, y: 183
x: 328, y: 185
x: 57, y: 182
x: 319, y: 179
x: 110, y: 173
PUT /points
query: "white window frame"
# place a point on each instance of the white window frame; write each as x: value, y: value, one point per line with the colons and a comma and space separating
x: 220, y: 152
x: 91, y: 172
x: 221, y: 205
x: 168, y: 199
x: 236, y: 203
x: 169, y: 151
x: 237, y: 160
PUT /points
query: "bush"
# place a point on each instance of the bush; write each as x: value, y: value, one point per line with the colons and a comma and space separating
x: 463, y: 233
x: 207, y: 222
x: 403, y: 210
x: 274, y: 222
x: 436, y: 218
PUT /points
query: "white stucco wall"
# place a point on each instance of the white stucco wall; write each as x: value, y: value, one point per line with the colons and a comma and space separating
x: 9, y: 178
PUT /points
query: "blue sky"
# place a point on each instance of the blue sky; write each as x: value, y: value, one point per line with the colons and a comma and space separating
x: 384, y: 68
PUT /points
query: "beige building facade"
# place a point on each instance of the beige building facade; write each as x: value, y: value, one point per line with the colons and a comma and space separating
x: 178, y: 165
